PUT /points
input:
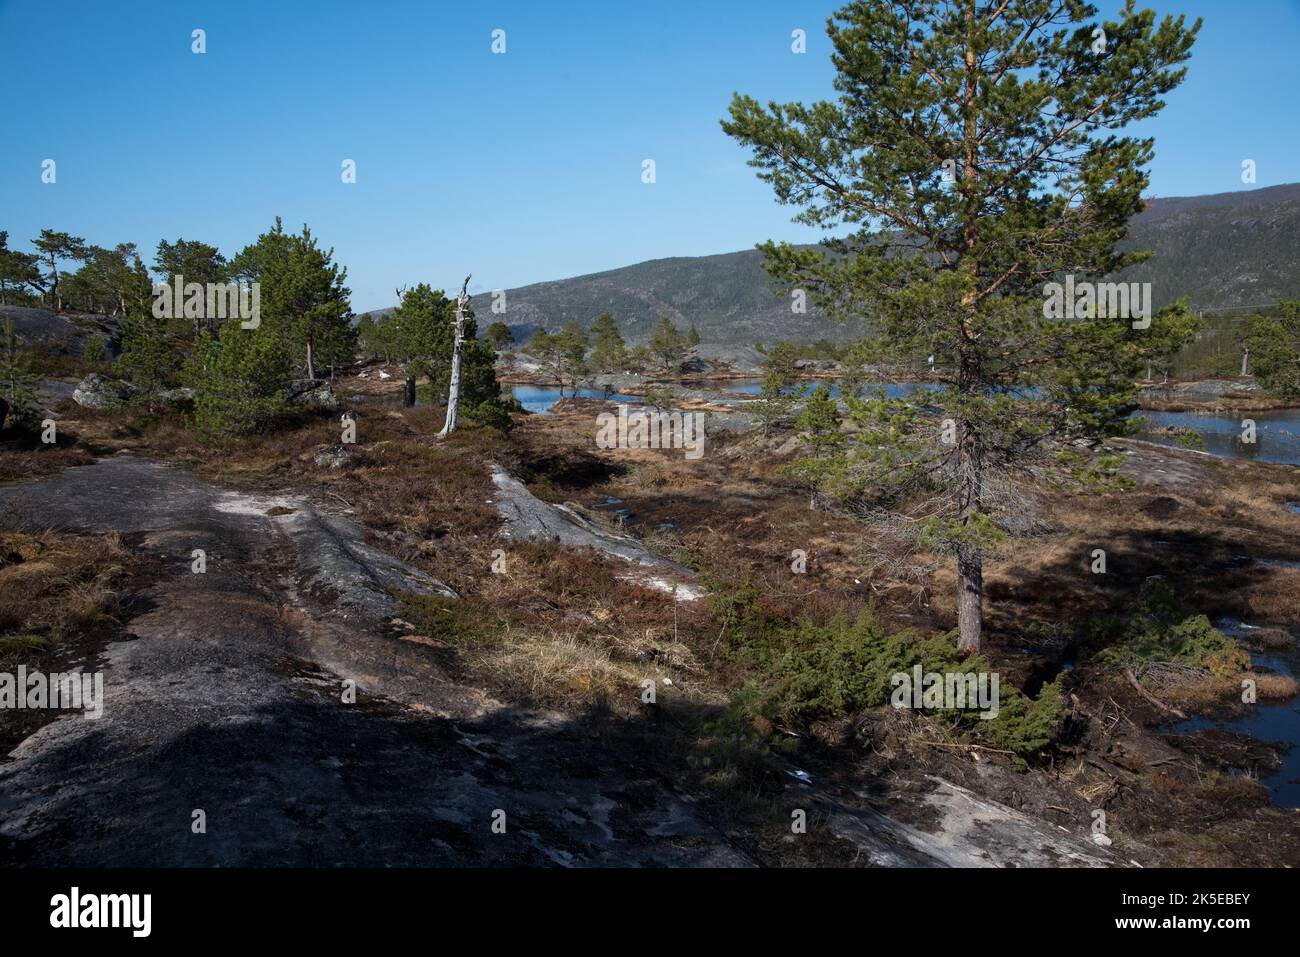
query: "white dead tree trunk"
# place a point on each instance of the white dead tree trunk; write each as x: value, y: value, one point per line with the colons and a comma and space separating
x: 453, y: 391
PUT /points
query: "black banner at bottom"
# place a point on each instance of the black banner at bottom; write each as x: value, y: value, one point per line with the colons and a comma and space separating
x: 791, y: 908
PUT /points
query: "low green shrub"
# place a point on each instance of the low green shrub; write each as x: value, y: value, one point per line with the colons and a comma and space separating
x: 1026, y: 726
x: 813, y: 670
x: 1159, y: 627
x: 447, y: 620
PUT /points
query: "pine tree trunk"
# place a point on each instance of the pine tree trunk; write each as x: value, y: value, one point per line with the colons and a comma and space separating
x: 970, y: 477
x: 408, y: 397
x: 311, y: 366
x: 970, y: 558
x: 453, y: 390
x: 1245, y: 361
x: 970, y: 598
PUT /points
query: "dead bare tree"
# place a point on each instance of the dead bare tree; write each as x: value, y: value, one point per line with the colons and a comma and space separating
x: 453, y: 391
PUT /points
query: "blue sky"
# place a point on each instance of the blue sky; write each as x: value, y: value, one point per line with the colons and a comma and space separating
x: 519, y: 167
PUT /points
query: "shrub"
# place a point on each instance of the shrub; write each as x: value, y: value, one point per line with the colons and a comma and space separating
x: 844, y: 666
x: 238, y: 379
x: 94, y: 350
x: 813, y: 670
x: 147, y: 358
x: 1026, y: 726
x: 447, y: 620
x: 1273, y: 348
x: 18, y: 384
x: 1189, y: 439
x: 495, y: 413
x: 1161, y: 628
x: 731, y: 747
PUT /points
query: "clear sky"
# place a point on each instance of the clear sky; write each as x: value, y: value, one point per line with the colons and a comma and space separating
x: 519, y: 167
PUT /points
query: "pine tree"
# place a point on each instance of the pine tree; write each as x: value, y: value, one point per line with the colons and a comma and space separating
x: 102, y: 283
x: 563, y: 354
x: 820, y: 423
x: 239, y: 377
x: 303, y: 295
x: 499, y: 336
x: 1275, y: 350
x: 668, y: 345
x: 975, y: 154
x: 18, y: 270
x: 55, y: 246
x: 573, y: 352
x: 774, y: 402
x: 781, y: 359
x: 193, y: 262
x: 608, y: 351
x: 94, y: 350
x: 147, y: 358
x: 640, y: 359
x: 19, y: 385
x: 421, y: 335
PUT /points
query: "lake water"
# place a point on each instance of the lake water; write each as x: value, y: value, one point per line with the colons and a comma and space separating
x: 1277, y: 434
x: 1267, y: 720
x: 540, y: 398
x: 755, y: 386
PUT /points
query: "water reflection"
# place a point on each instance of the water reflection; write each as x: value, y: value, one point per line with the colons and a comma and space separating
x: 1277, y: 434
x: 540, y: 398
x: 1267, y: 720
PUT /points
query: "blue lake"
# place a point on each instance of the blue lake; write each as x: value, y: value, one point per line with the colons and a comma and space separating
x: 755, y: 386
x: 1265, y: 721
x: 1277, y: 437
x: 1277, y: 434
x: 539, y: 398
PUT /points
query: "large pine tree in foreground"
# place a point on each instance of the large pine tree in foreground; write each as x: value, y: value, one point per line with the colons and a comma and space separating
x: 974, y: 155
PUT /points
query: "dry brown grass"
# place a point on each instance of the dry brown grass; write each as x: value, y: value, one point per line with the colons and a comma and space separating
x: 565, y: 672
x: 1202, y: 693
x: 568, y: 632
x: 1274, y: 687
x: 1274, y: 597
x: 19, y: 464
x: 1273, y: 639
x: 58, y: 586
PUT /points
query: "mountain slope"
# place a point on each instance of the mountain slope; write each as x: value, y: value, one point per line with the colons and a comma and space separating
x: 729, y: 297
x: 1229, y: 249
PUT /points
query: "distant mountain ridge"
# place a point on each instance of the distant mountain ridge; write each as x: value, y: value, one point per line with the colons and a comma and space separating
x: 1228, y: 249
x: 1223, y: 250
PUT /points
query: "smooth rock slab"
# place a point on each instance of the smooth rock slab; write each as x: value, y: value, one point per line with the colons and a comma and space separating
x: 528, y: 517
x: 229, y: 699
